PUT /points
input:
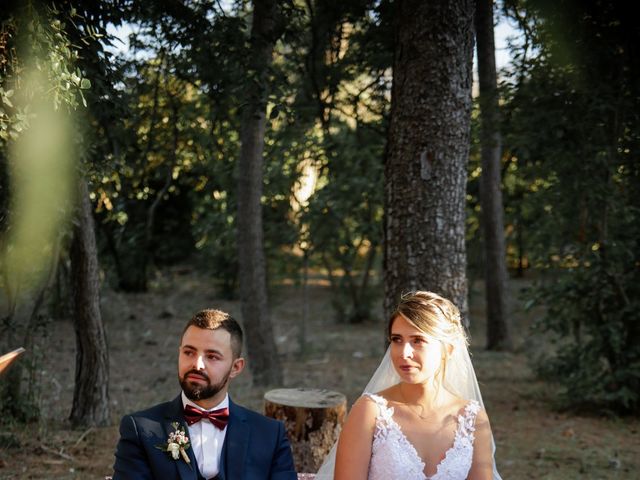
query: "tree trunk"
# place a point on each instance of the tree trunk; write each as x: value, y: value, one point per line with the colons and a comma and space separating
x: 91, y: 393
x: 495, y: 268
x: 313, y: 420
x: 428, y: 150
x: 252, y: 265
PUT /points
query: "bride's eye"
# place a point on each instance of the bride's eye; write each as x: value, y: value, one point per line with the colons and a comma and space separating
x: 396, y: 339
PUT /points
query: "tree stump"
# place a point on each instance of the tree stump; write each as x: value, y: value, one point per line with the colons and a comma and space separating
x: 313, y: 419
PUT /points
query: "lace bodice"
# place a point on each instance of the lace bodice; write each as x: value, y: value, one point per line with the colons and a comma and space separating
x: 393, y: 456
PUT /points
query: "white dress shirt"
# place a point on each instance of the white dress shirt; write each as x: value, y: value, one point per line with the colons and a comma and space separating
x: 207, y: 440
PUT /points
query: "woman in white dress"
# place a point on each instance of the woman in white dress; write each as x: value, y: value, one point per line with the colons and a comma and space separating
x: 426, y: 419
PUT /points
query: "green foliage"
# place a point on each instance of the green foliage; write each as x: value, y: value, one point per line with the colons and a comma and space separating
x: 344, y: 221
x: 572, y: 183
x: 340, y: 105
x: 146, y: 196
x: 38, y: 140
x: 182, y: 117
x: 172, y: 140
x: 593, y: 319
x: 39, y: 146
x: 37, y: 40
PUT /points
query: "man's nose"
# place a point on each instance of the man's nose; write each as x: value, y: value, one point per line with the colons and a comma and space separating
x: 199, y: 362
x: 407, y: 350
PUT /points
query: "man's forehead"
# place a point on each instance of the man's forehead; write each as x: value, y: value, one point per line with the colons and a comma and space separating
x: 202, y: 337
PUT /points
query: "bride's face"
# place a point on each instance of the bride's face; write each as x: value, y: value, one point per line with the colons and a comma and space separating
x: 416, y: 356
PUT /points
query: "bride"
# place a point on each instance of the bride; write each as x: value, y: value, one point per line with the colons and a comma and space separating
x: 421, y: 416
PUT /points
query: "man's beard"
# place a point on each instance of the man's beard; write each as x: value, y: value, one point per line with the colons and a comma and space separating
x: 196, y: 392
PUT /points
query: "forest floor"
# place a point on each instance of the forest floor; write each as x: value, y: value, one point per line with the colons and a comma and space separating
x: 534, y: 440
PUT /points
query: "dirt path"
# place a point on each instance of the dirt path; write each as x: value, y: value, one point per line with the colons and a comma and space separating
x: 533, y: 441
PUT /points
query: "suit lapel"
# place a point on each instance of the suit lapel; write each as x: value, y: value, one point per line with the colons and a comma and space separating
x: 174, y: 414
x: 236, y: 442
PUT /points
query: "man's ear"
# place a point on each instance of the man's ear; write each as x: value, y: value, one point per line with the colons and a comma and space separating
x: 236, y: 367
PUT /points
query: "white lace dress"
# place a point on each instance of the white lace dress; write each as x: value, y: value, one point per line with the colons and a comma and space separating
x: 393, y: 456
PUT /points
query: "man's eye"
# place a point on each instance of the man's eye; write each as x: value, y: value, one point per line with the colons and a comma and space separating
x: 212, y: 357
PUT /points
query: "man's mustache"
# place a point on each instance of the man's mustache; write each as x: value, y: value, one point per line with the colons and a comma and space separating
x: 197, y: 373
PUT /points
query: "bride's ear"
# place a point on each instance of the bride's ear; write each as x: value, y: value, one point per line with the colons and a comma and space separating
x: 447, y: 350
x: 448, y: 347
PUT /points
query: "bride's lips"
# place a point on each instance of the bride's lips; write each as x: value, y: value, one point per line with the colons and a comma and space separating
x: 406, y: 368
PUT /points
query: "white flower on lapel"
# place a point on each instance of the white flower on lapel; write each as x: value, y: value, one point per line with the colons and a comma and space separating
x: 174, y: 449
x: 177, y: 444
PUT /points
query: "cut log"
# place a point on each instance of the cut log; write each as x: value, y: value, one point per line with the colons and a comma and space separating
x: 8, y: 358
x: 313, y: 419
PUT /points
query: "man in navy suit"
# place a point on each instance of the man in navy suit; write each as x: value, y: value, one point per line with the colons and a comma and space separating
x: 202, y: 434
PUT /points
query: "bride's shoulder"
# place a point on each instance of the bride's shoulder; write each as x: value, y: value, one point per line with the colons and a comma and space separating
x: 391, y: 394
x: 459, y: 406
x: 370, y: 403
x: 364, y: 412
x: 471, y: 409
x: 478, y: 412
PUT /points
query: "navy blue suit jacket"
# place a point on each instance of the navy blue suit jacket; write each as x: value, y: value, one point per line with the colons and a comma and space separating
x: 255, y: 447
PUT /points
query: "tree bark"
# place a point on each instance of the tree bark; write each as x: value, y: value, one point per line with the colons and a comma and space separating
x: 263, y: 357
x: 428, y: 150
x: 495, y: 268
x: 91, y: 392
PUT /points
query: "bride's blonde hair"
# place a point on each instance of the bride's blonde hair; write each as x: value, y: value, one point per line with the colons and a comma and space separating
x: 434, y: 315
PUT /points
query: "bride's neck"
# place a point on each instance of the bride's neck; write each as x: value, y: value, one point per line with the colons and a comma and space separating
x: 429, y: 395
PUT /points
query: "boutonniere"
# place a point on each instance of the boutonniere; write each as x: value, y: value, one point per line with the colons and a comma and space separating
x: 177, y: 444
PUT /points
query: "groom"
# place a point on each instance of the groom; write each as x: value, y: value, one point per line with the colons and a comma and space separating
x: 202, y: 434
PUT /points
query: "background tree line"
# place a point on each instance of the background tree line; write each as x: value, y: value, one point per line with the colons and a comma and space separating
x: 323, y: 92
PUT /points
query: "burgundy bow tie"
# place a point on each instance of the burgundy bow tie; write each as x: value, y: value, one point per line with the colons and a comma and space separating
x: 219, y: 417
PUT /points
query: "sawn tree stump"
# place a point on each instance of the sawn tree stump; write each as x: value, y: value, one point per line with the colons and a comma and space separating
x: 313, y: 419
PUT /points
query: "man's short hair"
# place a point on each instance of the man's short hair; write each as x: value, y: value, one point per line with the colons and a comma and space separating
x: 211, y: 319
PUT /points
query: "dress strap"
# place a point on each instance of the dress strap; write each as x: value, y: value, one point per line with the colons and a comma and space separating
x: 467, y: 420
x: 384, y: 420
x: 377, y: 399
